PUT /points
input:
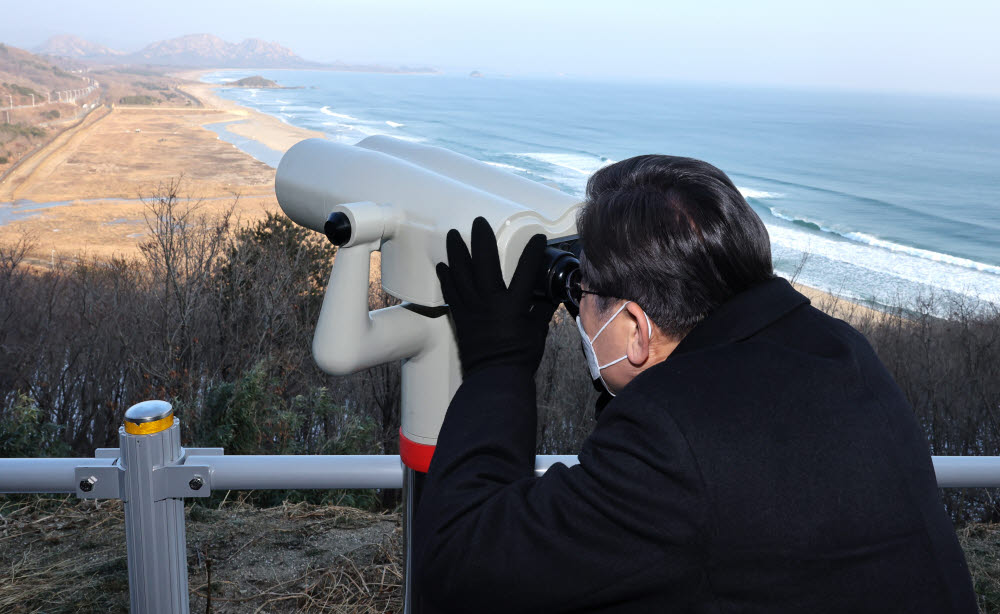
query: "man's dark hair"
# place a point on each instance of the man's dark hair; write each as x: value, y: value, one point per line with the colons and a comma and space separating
x: 672, y: 234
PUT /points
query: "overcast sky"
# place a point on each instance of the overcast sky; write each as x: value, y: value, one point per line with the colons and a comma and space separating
x: 935, y: 47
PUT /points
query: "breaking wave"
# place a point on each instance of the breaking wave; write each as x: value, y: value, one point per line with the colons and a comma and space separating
x: 876, y: 242
x: 327, y: 111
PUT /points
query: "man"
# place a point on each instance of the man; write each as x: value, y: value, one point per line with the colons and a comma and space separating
x: 756, y: 456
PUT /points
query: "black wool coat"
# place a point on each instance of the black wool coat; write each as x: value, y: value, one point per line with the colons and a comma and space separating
x: 769, y: 464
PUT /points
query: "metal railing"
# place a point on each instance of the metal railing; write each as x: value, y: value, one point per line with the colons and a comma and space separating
x: 153, y: 474
x: 322, y: 472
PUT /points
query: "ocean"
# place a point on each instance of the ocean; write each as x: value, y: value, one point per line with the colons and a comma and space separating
x: 886, y: 197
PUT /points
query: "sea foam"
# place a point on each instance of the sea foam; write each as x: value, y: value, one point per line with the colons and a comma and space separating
x: 758, y: 194
x: 326, y: 111
x: 939, y: 273
x: 581, y: 164
x: 509, y: 167
x: 568, y: 169
x: 873, y: 241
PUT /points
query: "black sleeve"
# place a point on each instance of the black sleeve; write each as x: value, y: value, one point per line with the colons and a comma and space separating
x: 491, y: 537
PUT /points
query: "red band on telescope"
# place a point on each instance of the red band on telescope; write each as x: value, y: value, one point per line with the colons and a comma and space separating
x: 416, y: 456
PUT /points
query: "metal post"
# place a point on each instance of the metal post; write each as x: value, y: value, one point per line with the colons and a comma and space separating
x: 413, y: 482
x: 154, y: 528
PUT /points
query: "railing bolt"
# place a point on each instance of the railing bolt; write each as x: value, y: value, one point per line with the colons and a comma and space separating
x: 196, y: 483
x: 88, y: 484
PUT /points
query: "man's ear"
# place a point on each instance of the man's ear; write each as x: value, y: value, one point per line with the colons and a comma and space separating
x: 638, y: 342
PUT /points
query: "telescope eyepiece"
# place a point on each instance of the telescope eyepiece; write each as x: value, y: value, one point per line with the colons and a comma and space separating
x: 338, y: 228
x: 560, y: 270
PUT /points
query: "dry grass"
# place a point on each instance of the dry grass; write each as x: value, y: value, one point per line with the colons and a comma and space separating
x: 58, y: 557
x: 61, y: 555
x: 981, y: 543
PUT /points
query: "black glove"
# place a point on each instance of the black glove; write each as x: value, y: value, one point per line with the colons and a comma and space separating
x: 494, y: 324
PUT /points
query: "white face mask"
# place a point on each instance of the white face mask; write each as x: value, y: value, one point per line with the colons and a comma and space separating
x: 588, y: 347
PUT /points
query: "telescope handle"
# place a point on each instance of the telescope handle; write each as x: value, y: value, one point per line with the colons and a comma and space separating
x: 348, y: 337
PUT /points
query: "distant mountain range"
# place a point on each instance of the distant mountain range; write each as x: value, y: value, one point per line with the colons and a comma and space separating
x: 198, y: 51
x: 74, y: 47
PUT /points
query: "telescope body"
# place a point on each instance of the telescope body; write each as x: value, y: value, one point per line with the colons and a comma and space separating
x: 414, y: 194
x: 401, y: 199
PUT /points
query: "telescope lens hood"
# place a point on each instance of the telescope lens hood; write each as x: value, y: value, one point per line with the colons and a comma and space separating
x: 338, y: 228
x: 559, y: 268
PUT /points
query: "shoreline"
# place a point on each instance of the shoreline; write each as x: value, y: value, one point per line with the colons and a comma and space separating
x: 838, y: 306
x: 252, y: 124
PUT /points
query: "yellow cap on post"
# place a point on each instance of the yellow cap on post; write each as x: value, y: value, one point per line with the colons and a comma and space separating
x: 149, y: 417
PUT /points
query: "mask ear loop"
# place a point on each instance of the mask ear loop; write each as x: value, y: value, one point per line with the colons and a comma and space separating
x: 649, y: 326
x: 601, y: 330
x: 600, y: 368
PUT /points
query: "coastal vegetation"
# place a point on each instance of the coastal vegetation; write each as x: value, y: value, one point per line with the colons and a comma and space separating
x: 140, y: 100
x: 8, y: 131
x: 15, y: 138
x: 20, y: 90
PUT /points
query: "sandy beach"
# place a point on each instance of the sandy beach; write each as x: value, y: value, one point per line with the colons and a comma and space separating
x: 265, y: 129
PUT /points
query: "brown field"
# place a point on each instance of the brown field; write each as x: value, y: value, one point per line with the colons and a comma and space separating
x: 103, y: 168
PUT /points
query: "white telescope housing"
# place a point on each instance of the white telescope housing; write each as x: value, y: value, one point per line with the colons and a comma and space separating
x: 402, y: 198
x: 407, y: 196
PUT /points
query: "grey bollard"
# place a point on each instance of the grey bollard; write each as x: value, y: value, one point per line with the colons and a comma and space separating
x: 154, y: 529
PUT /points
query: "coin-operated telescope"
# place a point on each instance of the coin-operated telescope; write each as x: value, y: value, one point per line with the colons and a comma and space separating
x: 401, y: 199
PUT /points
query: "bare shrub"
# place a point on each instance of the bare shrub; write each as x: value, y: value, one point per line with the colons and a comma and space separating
x: 182, y: 256
x: 948, y: 367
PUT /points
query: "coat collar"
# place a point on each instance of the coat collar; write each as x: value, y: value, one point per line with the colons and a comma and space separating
x: 743, y: 315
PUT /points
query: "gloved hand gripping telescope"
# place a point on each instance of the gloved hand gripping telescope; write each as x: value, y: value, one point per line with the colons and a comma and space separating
x: 401, y: 199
